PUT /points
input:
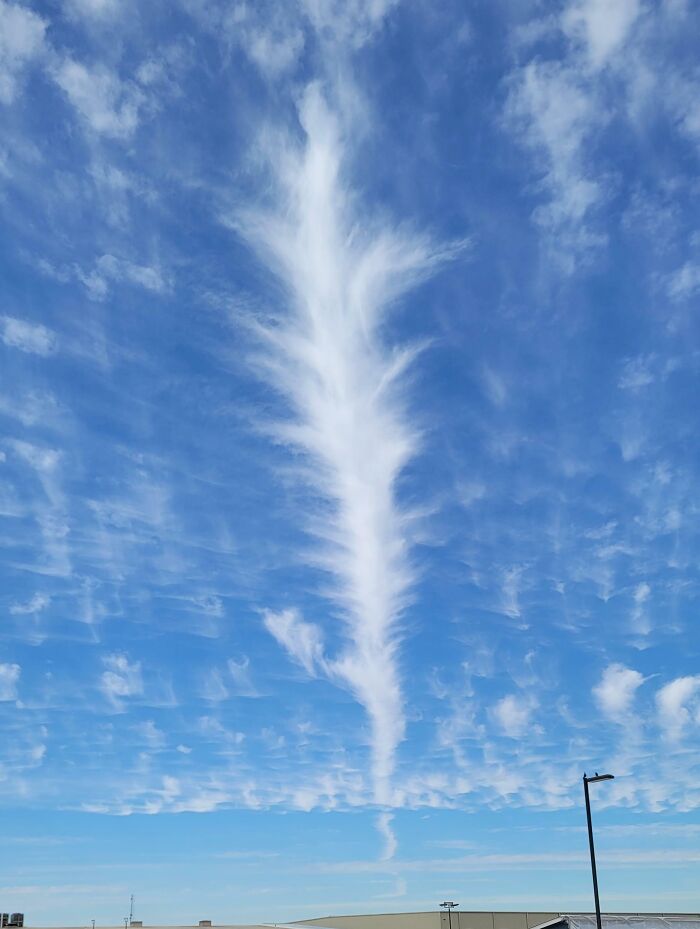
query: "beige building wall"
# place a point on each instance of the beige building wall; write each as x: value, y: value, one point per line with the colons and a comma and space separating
x: 458, y: 919
x: 434, y: 919
x: 429, y: 920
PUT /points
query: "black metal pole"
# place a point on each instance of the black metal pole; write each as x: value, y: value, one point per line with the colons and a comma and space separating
x: 449, y: 916
x: 598, y: 921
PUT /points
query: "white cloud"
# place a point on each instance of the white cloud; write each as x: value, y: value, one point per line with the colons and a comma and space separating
x: 468, y: 492
x: 612, y: 62
x: 301, y: 640
x: 31, y: 408
x: 9, y: 678
x: 640, y: 616
x: 685, y: 282
x: 687, y: 106
x: 37, y: 603
x: 348, y: 22
x: 212, y: 687
x: 600, y: 25
x: 513, y: 714
x: 273, y: 34
x: 342, y: 272
x: 118, y: 190
x: 270, y: 34
x: 121, y: 679
x: 632, y: 439
x: 32, y: 338
x: 108, y: 269
x: 52, y: 521
x: 37, y: 753
x: 616, y: 691
x: 170, y: 788
x: 93, y: 8
x: 209, y: 604
x: 151, y: 734
x: 43, y: 460
x: 241, y: 676
x: 495, y: 386
x: 108, y: 105
x: 385, y: 830
x: 555, y: 115
x: 637, y: 373
x: 510, y: 591
x: 21, y: 41
x: 678, y: 706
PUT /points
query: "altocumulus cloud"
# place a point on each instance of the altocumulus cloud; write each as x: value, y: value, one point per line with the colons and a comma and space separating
x: 121, y: 679
x: 678, y: 704
x: 21, y: 42
x: 33, y: 338
x: 616, y: 690
x: 9, y: 679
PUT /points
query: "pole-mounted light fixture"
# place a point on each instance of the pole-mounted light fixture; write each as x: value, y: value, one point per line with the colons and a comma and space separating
x: 586, y: 781
x: 449, y: 906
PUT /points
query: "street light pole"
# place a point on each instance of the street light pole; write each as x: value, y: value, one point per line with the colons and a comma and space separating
x: 586, y: 782
x: 448, y: 905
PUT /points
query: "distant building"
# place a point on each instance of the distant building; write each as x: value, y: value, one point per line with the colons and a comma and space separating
x: 458, y: 919
x: 11, y: 919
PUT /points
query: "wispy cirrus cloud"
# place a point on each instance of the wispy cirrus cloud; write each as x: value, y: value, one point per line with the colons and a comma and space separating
x: 385, y: 829
x: 301, y: 640
x: 93, y: 8
x: 600, y: 26
x: 107, y: 105
x: 33, y: 338
x: 110, y: 269
x: 22, y: 34
x: 596, y: 75
x: 105, y: 272
x: 242, y: 677
x: 685, y: 281
x: 348, y: 23
x: 122, y: 678
x: 36, y: 604
x: 555, y: 115
x: 325, y: 356
x: 9, y: 679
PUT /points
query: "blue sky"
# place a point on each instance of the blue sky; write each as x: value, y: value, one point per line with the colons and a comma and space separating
x: 348, y: 459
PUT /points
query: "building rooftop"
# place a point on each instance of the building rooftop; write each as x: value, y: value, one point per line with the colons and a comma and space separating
x: 460, y: 919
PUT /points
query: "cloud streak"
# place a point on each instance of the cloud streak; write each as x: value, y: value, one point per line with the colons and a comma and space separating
x: 327, y: 359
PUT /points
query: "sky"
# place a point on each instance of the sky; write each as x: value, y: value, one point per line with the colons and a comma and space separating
x: 349, y: 472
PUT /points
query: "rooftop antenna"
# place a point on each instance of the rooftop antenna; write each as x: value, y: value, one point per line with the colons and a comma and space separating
x: 131, y: 909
